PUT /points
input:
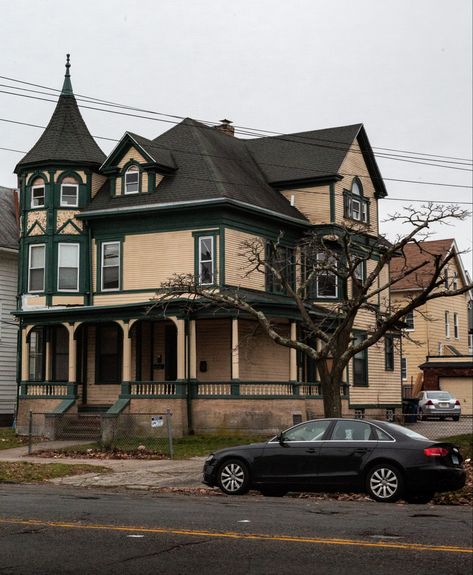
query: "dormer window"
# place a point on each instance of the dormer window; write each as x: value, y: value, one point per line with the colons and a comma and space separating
x: 356, y: 207
x: 37, y: 196
x: 69, y: 195
x: 132, y: 180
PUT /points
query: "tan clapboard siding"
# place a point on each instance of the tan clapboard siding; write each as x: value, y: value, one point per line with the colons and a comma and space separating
x: 131, y: 155
x: 97, y: 182
x: 384, y: 386
x: 354, y: 165
x: 68, y: 300
x: 236, y: 262
x: 213, y: 345
x: 313, y: 202
x: 260, y: 358
x: 123, y: 298
x: 429, y: 333
x: 150, y: 259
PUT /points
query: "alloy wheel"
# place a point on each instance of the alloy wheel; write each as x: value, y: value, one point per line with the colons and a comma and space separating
x: 384, y: 483
x: 233, y: 478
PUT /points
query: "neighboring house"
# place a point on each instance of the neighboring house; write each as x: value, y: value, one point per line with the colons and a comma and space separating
x: 8, y: 288
x: 435, y: 349
x: 100, y: 235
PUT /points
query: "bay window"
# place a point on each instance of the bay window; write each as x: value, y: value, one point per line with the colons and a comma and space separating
x: 36, y: 267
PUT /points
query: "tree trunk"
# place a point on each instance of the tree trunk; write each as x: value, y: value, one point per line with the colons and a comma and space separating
x: 330, y: 379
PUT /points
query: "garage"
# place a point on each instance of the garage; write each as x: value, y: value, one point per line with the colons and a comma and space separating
x: 462, y: 389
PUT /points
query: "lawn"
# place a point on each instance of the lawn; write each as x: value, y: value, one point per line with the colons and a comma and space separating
x: 8, y: 438
x: 25, y: 472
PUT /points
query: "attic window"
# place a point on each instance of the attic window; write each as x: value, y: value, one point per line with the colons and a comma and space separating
x: 356, y: 207
x: 132, y: 180
x: 37, y: 196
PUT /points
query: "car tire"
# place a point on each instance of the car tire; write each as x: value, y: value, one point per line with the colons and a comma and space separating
x: 385, y: 483
x: 233, y: 477
x: 442, y: 418
x: 420, y: 415
x: 420, y: 498
x: 456, y: 418
x: 270, y: 491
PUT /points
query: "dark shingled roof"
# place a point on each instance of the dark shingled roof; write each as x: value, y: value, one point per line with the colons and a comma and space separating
x: 210, y: 165
x: 66, y: 138
x: 9, y: 232
x: 160, y: 155
x: 304, y: 155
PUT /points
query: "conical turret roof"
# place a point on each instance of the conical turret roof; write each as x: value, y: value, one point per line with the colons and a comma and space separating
x: 66, y: 139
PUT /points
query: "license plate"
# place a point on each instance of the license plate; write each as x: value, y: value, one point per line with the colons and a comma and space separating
x: 443, y: 404
x: 455, y: 459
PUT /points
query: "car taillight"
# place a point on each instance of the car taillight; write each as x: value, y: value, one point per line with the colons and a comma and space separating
x: 457, y: 402
x: 430, y: 402
x: 436, y: 451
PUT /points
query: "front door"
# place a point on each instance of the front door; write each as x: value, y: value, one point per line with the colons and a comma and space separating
x: 170, y: 353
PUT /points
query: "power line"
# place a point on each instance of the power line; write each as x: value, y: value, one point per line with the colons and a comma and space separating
x: 243, y: 130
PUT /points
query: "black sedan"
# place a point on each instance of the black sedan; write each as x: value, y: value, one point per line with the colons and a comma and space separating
x: 385, y: 460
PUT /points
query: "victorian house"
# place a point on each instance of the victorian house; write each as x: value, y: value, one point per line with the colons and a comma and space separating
x: 99, y: 236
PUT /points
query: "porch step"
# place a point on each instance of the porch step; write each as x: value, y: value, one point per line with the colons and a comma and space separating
x: 83, y: 409
x: 83, y: 426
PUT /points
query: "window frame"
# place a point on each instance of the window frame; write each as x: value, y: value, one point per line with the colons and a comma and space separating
x: 102, y: 266
x: 447, y: 324
x: 272, y: 255
x: 37, y: 354
x: 337, y: 291
x: 30, y: 249
x: 133, y: 169
x: 364, y: 359
x: 403, y: 368
x: 33, y: 188
x: 61, y: 197
x: 60, y: 246
x: 411, y: 315
x: 363, y: 203
x: 456, y: 326
x: 200, y: 261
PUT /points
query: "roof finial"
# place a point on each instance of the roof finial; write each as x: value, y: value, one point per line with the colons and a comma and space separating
x: 67, y: 86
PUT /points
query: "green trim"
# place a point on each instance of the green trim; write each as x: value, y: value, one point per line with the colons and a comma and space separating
x: 221, y: 254
x: 63, y: 407
x: 216, y: 265
x: 119, y: 406
x: 98, y: 265
x: 122, y: 175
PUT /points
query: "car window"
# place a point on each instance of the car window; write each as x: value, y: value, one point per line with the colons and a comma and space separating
x: 438, y: 395
x: 381, y: 435
x: 308, y: 431
x: 351, y: 430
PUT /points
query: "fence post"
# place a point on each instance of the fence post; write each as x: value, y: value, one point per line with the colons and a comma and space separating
x: 30, y: 432
x: 169, y: 426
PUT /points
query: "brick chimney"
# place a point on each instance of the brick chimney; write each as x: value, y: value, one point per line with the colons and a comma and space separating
x: 226, y: 128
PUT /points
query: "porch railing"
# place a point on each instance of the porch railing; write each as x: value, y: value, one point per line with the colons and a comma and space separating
x: 224, y: 389
x: 47, y: 389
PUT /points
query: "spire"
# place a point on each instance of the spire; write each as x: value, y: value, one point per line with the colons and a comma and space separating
x: 67, y: 86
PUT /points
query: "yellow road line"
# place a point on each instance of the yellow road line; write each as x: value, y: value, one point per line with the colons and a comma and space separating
x: 234, y: 535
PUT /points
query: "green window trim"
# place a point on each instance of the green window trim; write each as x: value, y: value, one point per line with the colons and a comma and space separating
x: 389, y: 352
x: 99, y: 252
x: 215, y: 268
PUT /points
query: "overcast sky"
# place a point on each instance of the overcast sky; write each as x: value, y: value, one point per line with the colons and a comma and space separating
x: 403, y: 68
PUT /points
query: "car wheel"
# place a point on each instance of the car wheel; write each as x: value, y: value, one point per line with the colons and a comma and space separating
x: 418, y: 497
x: 273, y: 491
x: 233, y: 477
x: 385, y: 483
x: 456, y: 418
x: 442, y: 418
x: 420, y: 415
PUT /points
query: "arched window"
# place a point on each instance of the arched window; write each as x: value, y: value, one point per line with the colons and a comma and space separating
x: 356, y: 206
x: 38, y: 193
x: 132, y: 180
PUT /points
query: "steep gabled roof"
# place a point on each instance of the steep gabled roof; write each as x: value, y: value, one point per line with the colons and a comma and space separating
x: 417, y: 253
x: 9, y: 232
x: 66, y: 138
x: 154, y: 153
x: 210, y: 166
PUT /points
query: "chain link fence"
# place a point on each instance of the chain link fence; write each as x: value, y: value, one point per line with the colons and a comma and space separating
x: 150, y: 433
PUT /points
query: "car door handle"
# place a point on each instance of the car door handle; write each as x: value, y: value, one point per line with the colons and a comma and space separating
x: 361, y: 450
x: 311, y: 450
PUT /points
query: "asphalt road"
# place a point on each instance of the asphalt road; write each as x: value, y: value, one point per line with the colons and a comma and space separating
x: 51, y: 530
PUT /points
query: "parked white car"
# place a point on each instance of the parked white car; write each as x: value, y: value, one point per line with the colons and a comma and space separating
x: 438, y: 404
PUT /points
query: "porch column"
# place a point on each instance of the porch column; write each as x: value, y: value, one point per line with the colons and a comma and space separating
x: 293, y: 354
x: 126, y: 368
x: 235, y: 350
x: 47, y: 361
x: 181, y: 348
x: 25, y: 354
x: 72, y: 354
x: 192, y: 350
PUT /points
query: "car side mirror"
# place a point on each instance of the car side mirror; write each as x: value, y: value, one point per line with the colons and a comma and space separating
x: 280, y: 438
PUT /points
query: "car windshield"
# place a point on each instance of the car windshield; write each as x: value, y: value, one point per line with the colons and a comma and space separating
x: 405, y: 431
x: 438, y: 395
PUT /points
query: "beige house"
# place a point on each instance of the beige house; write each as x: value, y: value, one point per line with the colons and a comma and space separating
x: 101, y: 234
x: 435, y: 346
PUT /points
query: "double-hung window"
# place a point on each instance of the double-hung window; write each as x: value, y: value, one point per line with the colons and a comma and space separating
x: 389, y: 352
x: 36, y: 263
x: 409, y: 320
x: 360, y: 363
x: 280, y: 268
x: 456, y: 327
x: 206, y: 260
x: 69, y: 195
x: 132, y: 180
x: 355, y: 205
x: 327, y: 280
x: 37, y: 196
x: 68, y: 267
x: 110, y: 266
x: 358, y: 279
x: 447, y: 324
x: 403, y: 368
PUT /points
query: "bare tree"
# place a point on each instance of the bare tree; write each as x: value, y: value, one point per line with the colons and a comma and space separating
x: 348, y: 262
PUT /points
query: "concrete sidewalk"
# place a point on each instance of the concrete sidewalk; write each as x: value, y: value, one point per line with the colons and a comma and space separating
x: 127, y: 473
